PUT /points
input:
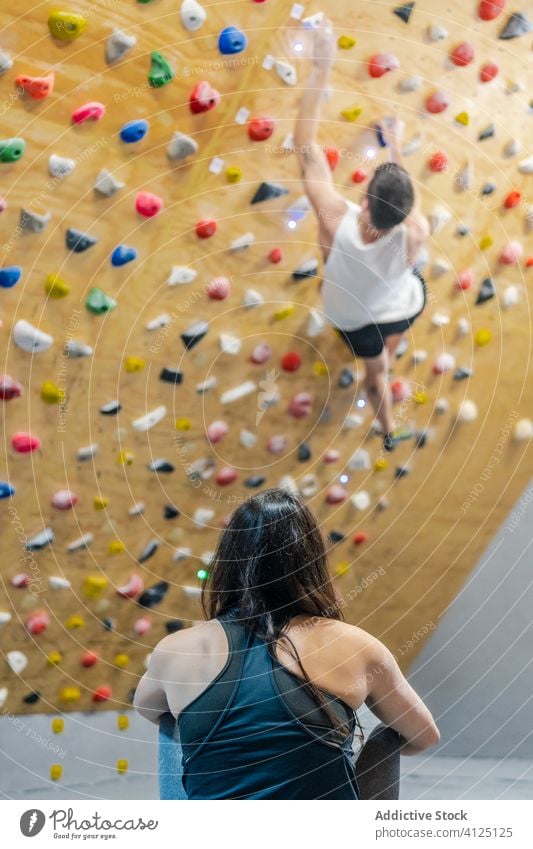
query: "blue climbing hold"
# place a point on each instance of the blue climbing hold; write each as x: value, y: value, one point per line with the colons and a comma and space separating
x: 232, y: 40
x: 9, y: 276
x: 134, y: 131
x: 122, y: 255
x: 6, y: 490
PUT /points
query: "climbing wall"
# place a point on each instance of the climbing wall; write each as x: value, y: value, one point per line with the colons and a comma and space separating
x: 164, y: 354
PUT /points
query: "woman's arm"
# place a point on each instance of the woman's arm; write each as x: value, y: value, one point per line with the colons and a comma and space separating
x: 150, y: 697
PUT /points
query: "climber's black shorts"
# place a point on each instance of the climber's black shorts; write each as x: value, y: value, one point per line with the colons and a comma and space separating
x: 369, y: 341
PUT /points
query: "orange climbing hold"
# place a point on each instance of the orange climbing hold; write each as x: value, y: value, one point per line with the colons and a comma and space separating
x: 333, y: 156
x: 359, y: 176
x: 36, y: 87
x: 438, y: 162
x: 360, y: 537
x: 513, y: 199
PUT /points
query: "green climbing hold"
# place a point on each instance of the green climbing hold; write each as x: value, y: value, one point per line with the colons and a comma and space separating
x: 160, y: 72
x: 11, y: 149
x: 98, y: 302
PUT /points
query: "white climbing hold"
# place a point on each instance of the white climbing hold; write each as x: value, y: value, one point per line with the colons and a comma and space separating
x: 192, y: 15
x: 440, y: 319
x: 288, y: 483
x: 17, y: 661
x: 467, y: 411
x: 182, y: 553
x: 106, y: 184
x: 238, y: 392
x: 181, y: 146
x: 242, y: 115
x: 30, y: 338
x: 352, y: 421
x: 60, y: 166
x: 463, y: 327
x: 74, y: 348
x: 202, y: 516
x: 413, y: 145
x: 5, y: 617
x: 361, y: 500
x: 309, y: 486
x: 315, y: 324
x: 117, y: 45
x: 510, y: 297
x: 136, y: 509
x: 438, y: 218
x: 34, y: 222
x: 410, y: 83
x: 160, y: 321
x: 181, y: 274
x: 247, y: 438
x: 56, y: 582
x: 81, y: 542
x: 420, y: 356
x: 436, y: 32
x: 87, y: 452
x: 442, y: 406
x: 242, y: 242
x: 6, y: 62
x: 205, y: 385
x: 216, y: 165
x: 444, y: 362
x: 440, y: 266
x: 465, y: 177
x: 206, y: 557
x: 359, y: 461
x: 523, y: 430
x: 512, y: 148
x: 286, y: 72
x: 526, y: 166
x: 150, y: 419
x: 229, y: 344
x: 252, y: 298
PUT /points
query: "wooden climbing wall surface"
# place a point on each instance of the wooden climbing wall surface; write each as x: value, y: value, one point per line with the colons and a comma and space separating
x: 412, y: 557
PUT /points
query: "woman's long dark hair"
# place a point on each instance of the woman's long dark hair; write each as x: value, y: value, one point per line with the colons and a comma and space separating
x: 271, y: 565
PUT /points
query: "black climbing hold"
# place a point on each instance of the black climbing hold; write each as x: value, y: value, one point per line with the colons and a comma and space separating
x: 487, y: 133
x: 254, y: 481
x: 31, y: 698
x: 174, y: 625
x: 462, y: 373
x: 194, y: 334
x: 404, y: 12
x: 108, y: 624
x: 269, y: 191
x: 488, y: 188
x: 462, y: 230
x: 421, y: 439
x: 161, y: 466
x: 110, y: 409
x: 335, y: 536
x: 77, y: 241
x: 346, y: 378
x: 170, y: 375
x: 154, y: 595
x: 304, y: 452
x: 518, y: 24
x: 306, y: 269
x: 487, y: 290
x: 148, y: 551
x: 401, y: 472
x: 170, y: 512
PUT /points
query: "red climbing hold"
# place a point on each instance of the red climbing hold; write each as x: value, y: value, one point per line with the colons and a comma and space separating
x: 37, y: 622
x: 511, y: 253
x: 360, y: 537
x: 400, y: 390
x: 529, y: 262
x: 333, y: 156
x: 89, y: 658
x: 359, y: 176
x: 216, y: 431
x: 218, y: 289
x: 25, y: 443
x: 437, y: 102
x: 332, y: 455
x: 37, y: 87
x: 291, y: 361
x: 275, y: 255
x: 490, y: 9
x: 260, y: 129
x: 261, y: 353
x: 88, y: 112
x: 438, y: 162
x: 148, y: 204
x: 381, y: 63
x: 203, y: 97
x: 488, y: 72
x: 206, y: 228
x: 301, y: 405
x: 465, y: 280
x: 462, y: 55
x: 102, y: 694
x: 9, y: 388
x: 513, y: 199
x: 226, y: 476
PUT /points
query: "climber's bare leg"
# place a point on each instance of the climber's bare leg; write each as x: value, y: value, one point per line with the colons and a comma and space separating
x: 391, y: 343
x: 378, y: 391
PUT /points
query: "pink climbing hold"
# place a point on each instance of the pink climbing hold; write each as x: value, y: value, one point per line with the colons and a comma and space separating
x: 260, y: 129
x: 400, y: 390
x: 148, y: 204
x: 381, y: 63
x: 93, y: 111
x: 132, y: 588
x: 216, y: 431
x: 25, y: 443
x: 203, y: 97
x: 336, y: 494
x: 226, y: 475
x: 218, y: 289
x: 488, y: 72
x: 142, y: 626
x: 275, y: 255
x: 37, y: 622
x: 511, y: 254
x: 277, y: 444
x: 291, y: 361
x: 301, y: 405
x: 21, y: 580
x: 89, y: 658
x: 445, y: 362
x: 261, y: 353
x: 64, y: 499
x: 462, y: 55
x: 9, y: 388
x: 490, y: 9
x: 205, y: 228
x: 465, y: 280
x: 3, y: 204
x: 438, y: 162
x: 102, y: 694
x: 332, y: 455
x: 437, y: 102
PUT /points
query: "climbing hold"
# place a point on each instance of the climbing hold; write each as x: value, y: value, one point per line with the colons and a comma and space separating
x: 203, y: 97
x: 463, y: 118
x: 77, y: 349
x: 6, y: 490
x: 467, y: 411
x: 102, y: 694
x: 134, y: 364
x: 346, y: 42
x: 465, y: 177
x: 206, y: 227
x: 117, y: 45
x: 194, y: 334
x: 192, y: 15
x: 261, y: 353
x: 437, y: 102
x: 511, y: 254
x: 518, y: 24
x: 17, y: 661
x: 230, y: 344
x: 438, y: 268
x: 301, y: 405
x: 9, y: 388
x: 231, y: 40
x: 359, y: 176
x: 526, y: 166
x: 58, y: 725
x: 438, y: 162
x: 233, y: 174
x: 218, y: 289
x: 98, y: 302
x: 277, y: 444
x: 513, y: 199
x: 6, y: 62
x: 181, y: 275
x: 444, y: 362
x: 512, y: 148
x: 380, y: 63
x: 81, y: 542
x: 309, y: 268
x: 410, y: 83
x: 170, y: 512
x: 92, y: 111
x: 336, y: 494
x: 291, y: 361
x: 436, y: 32
x: 66, y: 26
x: 486, y: 242
x: 361, y: 536
x: 482, y: 337
x: 70, y: 694
x: 153, y: 595
x: 487, y: 290
x: 40, y: 540
x: 134, y: 131
x: 36, y: 87
x: 465, y: 280
x: 100, y: 502
x: 79, y: 242
x: 55, y: 286
x: 148, y: 204
x: 488, y: 72
x: 268, y: 191
x: 122, y: 255
x: 400, y: 390
x: 487, y: 133
x: 60, y: 166
x: 523, y: 430
x: 242, y: 243
x: 404, y: 12
x: 332, y: 455
x: 260, y: 129
x: 106, y: 184
x: 462, y: 55
x: 150, y: 419
x: 252, y: 298
x: 181, y: 146
x: 333, y: 156
x: 161, y: 72
x: 225, y: 476
x: 30, y: 339
x: 490, y: 9
x: 57, y: 583
x: 462, y: 373
x: 148, y: 551
x: 11, y: 149
x: 64, y: 499
x: 170, y: 375
x: 401, y: 472
x: 10, y: 276
x: 286, y: 72
x: 438, y: 218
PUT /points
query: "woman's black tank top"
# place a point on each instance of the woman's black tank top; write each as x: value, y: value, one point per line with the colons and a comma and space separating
x: 256, y: 733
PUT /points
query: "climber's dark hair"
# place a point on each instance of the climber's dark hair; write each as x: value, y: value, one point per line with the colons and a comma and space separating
x: 390, y: 196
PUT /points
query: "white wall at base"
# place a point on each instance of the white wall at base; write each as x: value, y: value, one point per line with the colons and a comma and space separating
x: 476, y: 670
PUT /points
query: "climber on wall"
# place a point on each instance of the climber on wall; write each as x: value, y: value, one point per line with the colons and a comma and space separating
x: 372, y: 293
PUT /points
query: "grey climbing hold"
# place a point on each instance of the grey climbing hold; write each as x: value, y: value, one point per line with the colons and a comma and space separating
x: 40, y: 540
x: 117, y: 45
x: 346, y: 378
x: 462, y: 230
x: 268, y: 191
x: 106, y: 184
x: 161, y: 465
x: 77, y: 241
x: 306, y: 269
x: 87, y: 452
x: 436, y: 32
x: 401, y: 472
x: 148, y: 551
x: 192, y: 15
x: 518, y: 24
x: 252, y: 298
x: 194, y: 334
x: 81, y: 542
x: 60, y: 166
x: 487, y: 133
x: 488, y: 188
x: 170, y: 375
x: 30, y: 338
x: 404, y: 12
x: 462, y: 373
x: 254, y: 481
x: 112, y: 408
x: 74, y: 348
x: 33, y: 222
x: 487, y: 290
x: 304, y: 452
x: 181, y: 146
x: 154, y: 594
x: 6, y: 62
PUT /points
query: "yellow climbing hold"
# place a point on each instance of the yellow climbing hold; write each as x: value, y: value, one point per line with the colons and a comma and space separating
x: 122, y: 766
x: 116, y: 546
x: 420, y: 397
x: 121, y: 660
x: 381, y: 464
x: 51, y: 393
x: 58, y: 725
x: 284, y: 312
x: 233, y: 174
x: 485, y: 243
x: 346, y: 42
x: 183, y: 423
x: 126, y: 458
x: 54, y: 657
x: 66, y: 26
x: 320, y: 368
x: 94, y: 585
x: 70, y: 694
x: 352, y: 114
x: 463, y: 118
x: 132, y: 364
x: 483, y: 337
x: 100, y: 502
x: 74, y: 622
x: 55, y: 286
x: 123, y: 722
x: 342, y: 567
x: 56, y: 771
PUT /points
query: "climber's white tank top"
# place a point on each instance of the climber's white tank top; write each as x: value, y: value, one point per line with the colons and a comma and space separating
x: 369, y: 283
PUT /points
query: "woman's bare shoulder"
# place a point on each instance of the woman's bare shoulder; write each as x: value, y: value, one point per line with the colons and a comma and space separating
x: 201, y: 638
